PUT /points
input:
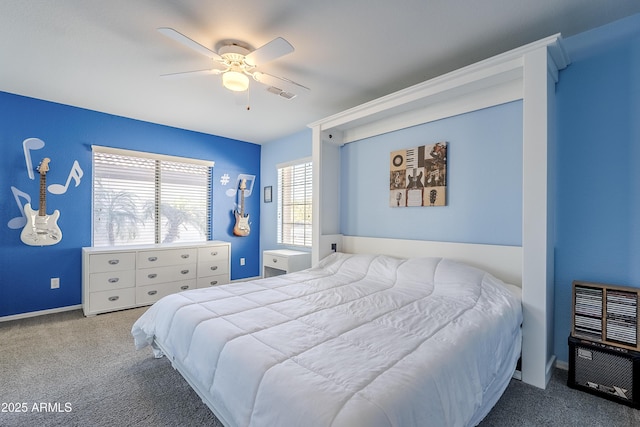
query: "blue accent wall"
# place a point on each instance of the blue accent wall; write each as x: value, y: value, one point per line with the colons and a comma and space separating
x: 484, y: 194
x: 598, y: 188
x: 68, y: 133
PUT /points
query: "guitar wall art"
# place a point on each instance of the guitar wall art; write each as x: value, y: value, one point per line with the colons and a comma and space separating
x: 418, y: 176
x: 37, y: 227
x: 241, y: 228
x: 41, y: 229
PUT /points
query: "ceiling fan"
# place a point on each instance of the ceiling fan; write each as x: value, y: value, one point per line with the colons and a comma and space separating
x: 236, y: 62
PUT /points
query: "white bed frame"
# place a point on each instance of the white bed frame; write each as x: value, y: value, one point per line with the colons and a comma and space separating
x: 504, y: 262
x: 160, y: 351
x: 528, y: 73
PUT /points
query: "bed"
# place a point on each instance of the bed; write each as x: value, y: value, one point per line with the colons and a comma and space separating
x: 357, y: 340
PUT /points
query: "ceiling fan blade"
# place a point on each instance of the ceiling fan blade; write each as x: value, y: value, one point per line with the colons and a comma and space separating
x: 274, y: 49
x: 208, y: 71
x: 191, y: 44
x: 271, y: 80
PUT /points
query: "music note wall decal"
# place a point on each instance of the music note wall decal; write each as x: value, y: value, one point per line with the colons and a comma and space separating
x: 249, y: 180
x: 20, y: 221
x: 76, y: 174
x: 28, y: 145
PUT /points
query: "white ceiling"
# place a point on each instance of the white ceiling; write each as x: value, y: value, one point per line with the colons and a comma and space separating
x: 107, y: 55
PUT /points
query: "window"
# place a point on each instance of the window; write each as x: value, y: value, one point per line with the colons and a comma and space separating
x: 144, y: 198
x: 295, y: 203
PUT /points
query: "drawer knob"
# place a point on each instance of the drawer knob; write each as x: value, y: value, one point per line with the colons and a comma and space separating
x: 214, y: 253
x: 152, y: 292
x: 214, y: 282
x: 184, y: 287
x: 152, y: 276
x: 114, y: 261
x: 184, y: 271
x: 153, y: 258
x: 214, y: 267
x: 114, y: 280
x: 185, y: 256
x: 275, y: 260
x: 115, y: 298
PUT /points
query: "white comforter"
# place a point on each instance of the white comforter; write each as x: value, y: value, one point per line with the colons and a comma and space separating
x: 360, y: 340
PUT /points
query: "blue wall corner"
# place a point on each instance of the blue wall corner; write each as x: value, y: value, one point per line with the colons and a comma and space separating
x: 598, y: 178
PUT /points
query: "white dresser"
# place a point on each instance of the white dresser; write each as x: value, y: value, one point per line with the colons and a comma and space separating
x: 132, y: 276
x: 282, y: 261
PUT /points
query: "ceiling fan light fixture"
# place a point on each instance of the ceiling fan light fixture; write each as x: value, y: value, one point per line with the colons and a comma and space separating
x: 235, y: 81
x: 237, y: 61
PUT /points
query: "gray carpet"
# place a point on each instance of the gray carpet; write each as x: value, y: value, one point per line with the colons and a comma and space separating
x: 91, y: 364
x: 69, y: 370
x: 557, y: 405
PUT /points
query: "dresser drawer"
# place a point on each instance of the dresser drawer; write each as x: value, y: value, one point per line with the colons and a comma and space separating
x: 284, y: 261
x: 220, y: 279
x: 112, y: 262
x: 213, y: 254
x: 276, y: 261
x: 210, y: 268
x: 167, y: 257
x: 152, y: 293
x: 112, y: 280
x: 172, y: 273
x: 137, y: 275
x: 115, y: 299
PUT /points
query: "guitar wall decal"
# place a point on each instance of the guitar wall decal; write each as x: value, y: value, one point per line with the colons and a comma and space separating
x: 242, y: 221
x: 41, y: 229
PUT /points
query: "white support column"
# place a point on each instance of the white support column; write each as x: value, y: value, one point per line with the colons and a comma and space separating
x: 316, y: 153
x: 326, y: 191
x: 537, y: 239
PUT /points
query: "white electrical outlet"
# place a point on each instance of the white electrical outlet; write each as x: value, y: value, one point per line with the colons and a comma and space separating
x: 55, y: 282
x: 241, y: 261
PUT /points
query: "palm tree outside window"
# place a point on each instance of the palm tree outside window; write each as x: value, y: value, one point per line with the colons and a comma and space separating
x: 145, y: 198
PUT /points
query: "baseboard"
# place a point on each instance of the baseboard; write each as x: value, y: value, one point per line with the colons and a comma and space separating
x: 40, y: 313
x: 246, y: 279
x: 72, y: 307
x: 562, y: 365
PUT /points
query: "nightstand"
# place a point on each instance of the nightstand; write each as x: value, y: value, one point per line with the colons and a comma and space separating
x: 283, y: 261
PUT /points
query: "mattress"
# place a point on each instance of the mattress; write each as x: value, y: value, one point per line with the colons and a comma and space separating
x: 358, y: 340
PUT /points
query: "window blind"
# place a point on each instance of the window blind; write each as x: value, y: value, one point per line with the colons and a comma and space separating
x: 146, y: 200
x: 295, y: 202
